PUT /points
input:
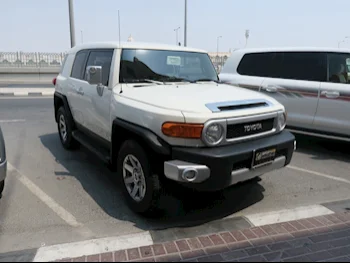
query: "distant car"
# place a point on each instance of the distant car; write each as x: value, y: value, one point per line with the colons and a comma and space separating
x: 312, y: 83
x: 3, y: 163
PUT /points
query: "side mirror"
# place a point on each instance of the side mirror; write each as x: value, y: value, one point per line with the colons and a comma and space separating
x: 94, y: 75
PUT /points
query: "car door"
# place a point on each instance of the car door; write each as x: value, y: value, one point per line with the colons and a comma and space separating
x: 97, y: 97
x: 76, y: 85
x: 294, y: 81
x: 333, y: 112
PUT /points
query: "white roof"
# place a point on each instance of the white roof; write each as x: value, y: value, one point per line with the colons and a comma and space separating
x: 292, y: 49
x: 136, y: 45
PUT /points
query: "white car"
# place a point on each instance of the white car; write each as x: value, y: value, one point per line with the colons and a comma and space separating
x: 312, y: 83
x: 157, y: 112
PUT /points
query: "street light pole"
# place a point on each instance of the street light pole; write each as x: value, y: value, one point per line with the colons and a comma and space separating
x: 71, y: 23
x: 177, y: 37
x: 246, y: 37
x: 217, y: 45
x: 342, y: 41
x: 185, y: 28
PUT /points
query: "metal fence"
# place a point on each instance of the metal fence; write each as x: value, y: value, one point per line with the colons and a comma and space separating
x: 49, y: 60
x: 31, y: 59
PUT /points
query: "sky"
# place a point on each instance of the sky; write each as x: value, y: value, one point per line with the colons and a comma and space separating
x: 43, y: 25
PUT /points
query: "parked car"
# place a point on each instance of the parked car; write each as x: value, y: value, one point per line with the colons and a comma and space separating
x: 157, y: 113
x: 3, y: 163
x: 312, y: 83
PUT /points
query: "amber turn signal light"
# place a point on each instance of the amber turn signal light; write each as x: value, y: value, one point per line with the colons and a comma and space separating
x: 182, y: 130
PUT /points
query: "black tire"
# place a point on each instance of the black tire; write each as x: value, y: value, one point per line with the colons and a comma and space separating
x: 2, y: 186
x: 149, y: 204
x: 68, y: 141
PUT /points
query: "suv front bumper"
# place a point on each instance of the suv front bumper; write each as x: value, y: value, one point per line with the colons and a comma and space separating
x: 212, y: 169
x: 3, y: 171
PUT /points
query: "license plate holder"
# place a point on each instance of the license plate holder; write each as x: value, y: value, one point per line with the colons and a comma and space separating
x: 263, y: 156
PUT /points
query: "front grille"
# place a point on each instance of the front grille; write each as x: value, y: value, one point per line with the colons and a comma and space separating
x: 249, y: 128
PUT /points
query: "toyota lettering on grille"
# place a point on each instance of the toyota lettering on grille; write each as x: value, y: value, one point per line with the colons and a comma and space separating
x: 253, y: 127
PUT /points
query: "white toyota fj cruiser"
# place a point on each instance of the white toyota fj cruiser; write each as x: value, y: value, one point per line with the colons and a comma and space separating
x: 158, y: 112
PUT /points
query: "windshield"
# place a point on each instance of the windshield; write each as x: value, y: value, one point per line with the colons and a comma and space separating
x: 165, y: 66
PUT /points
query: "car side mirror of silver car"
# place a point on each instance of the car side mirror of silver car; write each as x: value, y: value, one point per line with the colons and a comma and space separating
x: 94, y: 75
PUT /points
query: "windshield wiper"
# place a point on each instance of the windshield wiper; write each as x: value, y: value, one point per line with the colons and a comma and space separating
x: 154, y: 81
x: 198, y: 80
x: 143, y: 80
x: 175, y: 79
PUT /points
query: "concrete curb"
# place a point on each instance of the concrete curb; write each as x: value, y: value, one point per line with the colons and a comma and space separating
x: 24, y: 92
x: 149, y: 238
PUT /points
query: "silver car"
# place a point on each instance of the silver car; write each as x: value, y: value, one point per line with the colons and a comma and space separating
x: 312, y: 83
x: 3, y: 163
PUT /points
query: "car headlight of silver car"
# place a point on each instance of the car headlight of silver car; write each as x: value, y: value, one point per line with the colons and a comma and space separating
x: 213, y: 133
x: 281, y: 120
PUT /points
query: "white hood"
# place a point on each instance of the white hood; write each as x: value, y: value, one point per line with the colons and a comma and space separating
x: 191, y: 97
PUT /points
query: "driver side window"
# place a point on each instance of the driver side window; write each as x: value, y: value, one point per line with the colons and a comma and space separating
x: 338, y: 68
x: 101, y: 58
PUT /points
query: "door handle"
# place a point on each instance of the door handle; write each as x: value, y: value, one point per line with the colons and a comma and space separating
x: 100, y: 89
x: 331, y: 94
x: 80, y: 91
x: 271, y: 89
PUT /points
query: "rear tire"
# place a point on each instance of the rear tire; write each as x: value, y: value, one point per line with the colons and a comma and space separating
x: 65, y: 129
x: 2, y: 186
x: 134, y: 171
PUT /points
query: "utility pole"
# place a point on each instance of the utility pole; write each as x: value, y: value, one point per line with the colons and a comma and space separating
x: 71, y: 23
x: 177, y: 36
x: 185, y: 28
x: 119, y: 27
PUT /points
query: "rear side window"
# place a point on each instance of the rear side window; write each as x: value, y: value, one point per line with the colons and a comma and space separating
x: 79, y: 65
x: 309, y: 66
x: 101, y: 58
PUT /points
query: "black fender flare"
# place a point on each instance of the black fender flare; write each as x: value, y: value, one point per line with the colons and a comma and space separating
x: 157, y: 144
x: 60, y: 97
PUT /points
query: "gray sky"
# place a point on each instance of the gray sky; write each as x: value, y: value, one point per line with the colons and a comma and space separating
x: 42, y: 25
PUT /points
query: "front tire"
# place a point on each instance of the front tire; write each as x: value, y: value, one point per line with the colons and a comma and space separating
x: 2, y: 186
x: 65, y: 129
x: 141, y: 188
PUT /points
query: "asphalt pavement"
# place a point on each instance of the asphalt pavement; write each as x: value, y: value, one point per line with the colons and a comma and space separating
x: 54, y: 196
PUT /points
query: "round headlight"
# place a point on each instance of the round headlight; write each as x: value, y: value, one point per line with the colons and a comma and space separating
x: 213, y: 134
x: 282, y: 120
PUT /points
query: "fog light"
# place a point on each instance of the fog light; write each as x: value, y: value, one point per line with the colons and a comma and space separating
x: 295, y: 145
x: 189, y: 174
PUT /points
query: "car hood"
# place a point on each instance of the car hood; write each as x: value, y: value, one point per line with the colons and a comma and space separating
x: 192, y: 97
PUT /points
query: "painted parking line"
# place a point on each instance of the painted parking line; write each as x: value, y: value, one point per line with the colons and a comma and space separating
x: 286, y: 215
x: 92, y: 247
x: 52, y: 204
x: 318, y: 174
